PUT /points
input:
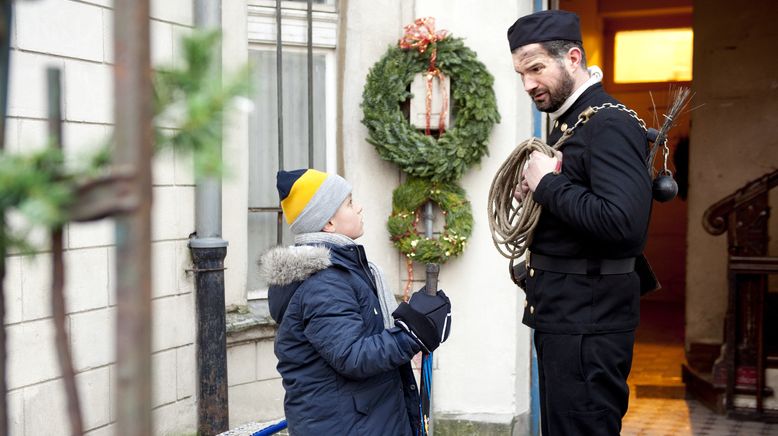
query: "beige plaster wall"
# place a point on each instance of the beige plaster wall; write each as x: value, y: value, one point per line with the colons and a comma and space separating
x: 483, y: 369
x: 236, y: 145
x: 733, y: 138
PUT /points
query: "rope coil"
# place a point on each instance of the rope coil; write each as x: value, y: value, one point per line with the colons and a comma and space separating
x: 512, y: 221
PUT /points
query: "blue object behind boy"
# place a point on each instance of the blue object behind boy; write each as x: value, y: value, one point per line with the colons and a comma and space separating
x: 345, y: 366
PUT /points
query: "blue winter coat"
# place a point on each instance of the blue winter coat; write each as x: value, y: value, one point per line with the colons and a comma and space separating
x: 343, y: 372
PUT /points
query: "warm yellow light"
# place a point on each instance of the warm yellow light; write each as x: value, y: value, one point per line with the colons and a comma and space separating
x: 662, y: 55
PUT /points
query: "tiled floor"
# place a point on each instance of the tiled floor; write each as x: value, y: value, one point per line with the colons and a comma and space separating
x: 657, y: 405
x: 670, y: 417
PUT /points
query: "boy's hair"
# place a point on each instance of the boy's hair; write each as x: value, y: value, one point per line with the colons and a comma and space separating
x: 309, y: 198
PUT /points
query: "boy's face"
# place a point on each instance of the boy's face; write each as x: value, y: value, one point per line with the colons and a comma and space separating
x: 347, y: 220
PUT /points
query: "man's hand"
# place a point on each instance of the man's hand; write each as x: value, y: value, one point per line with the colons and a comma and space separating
x: 521, y: 191
x: 538, y: 166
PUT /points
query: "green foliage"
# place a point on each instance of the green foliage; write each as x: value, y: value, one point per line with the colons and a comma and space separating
x: 188, y: 100
x: 433, y: 164
x: 447, y: 158
x: 408, y: 198
x: 189, y: 106
x: 36, y: 188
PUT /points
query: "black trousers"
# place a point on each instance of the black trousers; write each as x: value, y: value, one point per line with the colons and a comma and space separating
x: 583, y: 382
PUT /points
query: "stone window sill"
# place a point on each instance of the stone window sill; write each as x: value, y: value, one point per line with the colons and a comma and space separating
x: 250, y: 323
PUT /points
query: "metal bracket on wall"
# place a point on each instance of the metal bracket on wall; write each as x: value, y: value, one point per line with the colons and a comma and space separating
x: 199, y: 270
x: 105, y: 196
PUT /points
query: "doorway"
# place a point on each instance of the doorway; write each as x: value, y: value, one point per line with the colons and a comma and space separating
x: 617, y: 37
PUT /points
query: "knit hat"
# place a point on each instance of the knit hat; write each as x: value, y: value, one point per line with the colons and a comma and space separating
x: 544, y: 26
x: 309, y: 198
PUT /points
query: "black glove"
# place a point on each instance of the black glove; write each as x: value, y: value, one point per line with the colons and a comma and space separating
x: 427, y: 318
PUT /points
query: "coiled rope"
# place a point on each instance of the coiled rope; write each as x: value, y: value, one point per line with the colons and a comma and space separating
x: 511, y: 220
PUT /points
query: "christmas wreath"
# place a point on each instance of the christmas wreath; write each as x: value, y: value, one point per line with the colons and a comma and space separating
x: 407, y: 201
x: 474, y: 110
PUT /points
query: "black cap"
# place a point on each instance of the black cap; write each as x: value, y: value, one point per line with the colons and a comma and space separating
x: 543, y: 26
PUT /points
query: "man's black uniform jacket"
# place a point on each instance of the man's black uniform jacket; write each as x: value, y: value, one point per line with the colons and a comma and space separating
x: 598, y: 207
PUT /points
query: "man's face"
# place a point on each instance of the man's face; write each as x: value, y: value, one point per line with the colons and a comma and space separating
x: 545, y: 79
x: 347, y: 219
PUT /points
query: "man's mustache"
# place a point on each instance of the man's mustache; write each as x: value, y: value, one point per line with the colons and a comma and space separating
x: 537, y: 91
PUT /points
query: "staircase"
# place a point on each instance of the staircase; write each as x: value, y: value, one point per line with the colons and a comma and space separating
x: 720, y: 374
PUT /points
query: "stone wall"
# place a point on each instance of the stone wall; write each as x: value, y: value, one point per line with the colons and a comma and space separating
x: 76, y: 36
x: 481, y: 374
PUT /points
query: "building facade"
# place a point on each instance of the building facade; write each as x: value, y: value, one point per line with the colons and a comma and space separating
x: 481, y: 375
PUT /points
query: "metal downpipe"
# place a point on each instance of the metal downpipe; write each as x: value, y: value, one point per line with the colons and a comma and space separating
x: 6, y: 9
x: 208, y: 251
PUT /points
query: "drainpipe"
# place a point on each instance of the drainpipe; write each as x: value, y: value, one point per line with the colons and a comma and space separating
x: 208, y: 252
x: 534, y: 393
x: 6, y: 8
x: 534, y: 397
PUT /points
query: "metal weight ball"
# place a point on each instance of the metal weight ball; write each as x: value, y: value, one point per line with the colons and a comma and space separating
x: 664, y: 187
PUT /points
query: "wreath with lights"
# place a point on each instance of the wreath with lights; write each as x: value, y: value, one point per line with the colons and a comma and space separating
x: 446, y: 158
x: 407, y: 201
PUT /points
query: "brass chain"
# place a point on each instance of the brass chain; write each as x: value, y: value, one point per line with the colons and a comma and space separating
x: 513, y: 222
x: 584, y: 116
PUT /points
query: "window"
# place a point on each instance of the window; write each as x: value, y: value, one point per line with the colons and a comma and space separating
x: 323, y: 2
x: 265, y: 225
x: 641, y: 53
x: 263, y: 139
x: 659, y: 55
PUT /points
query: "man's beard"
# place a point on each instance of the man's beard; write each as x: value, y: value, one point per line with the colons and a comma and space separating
x: 557, y: 95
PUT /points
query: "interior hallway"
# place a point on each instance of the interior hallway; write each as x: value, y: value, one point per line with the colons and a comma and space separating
x: 657, y: 404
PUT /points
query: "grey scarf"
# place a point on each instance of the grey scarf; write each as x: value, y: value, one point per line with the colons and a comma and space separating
x: 385, y: 296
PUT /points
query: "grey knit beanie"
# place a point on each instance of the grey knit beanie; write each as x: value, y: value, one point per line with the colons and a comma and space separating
x: 309, y: 198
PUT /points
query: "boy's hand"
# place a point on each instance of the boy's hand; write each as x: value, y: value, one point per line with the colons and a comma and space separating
x: 427, y: 318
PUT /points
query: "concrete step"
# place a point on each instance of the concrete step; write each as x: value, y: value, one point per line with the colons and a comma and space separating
x: 663, y: 389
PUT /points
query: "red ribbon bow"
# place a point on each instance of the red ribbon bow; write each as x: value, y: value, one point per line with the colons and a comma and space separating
x: 419, y: 36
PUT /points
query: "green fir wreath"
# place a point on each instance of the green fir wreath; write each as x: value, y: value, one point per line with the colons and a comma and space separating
x: 474, y: 111
x: 408, y: 199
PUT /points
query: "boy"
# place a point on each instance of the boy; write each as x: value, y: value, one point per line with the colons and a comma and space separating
x: 345, y: 366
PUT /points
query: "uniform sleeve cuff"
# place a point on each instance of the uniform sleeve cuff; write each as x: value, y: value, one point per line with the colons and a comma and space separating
x: 547, y: 185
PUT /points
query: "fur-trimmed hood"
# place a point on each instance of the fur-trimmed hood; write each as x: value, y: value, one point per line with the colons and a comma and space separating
x: 284, y: 265
x: 335, y: 354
